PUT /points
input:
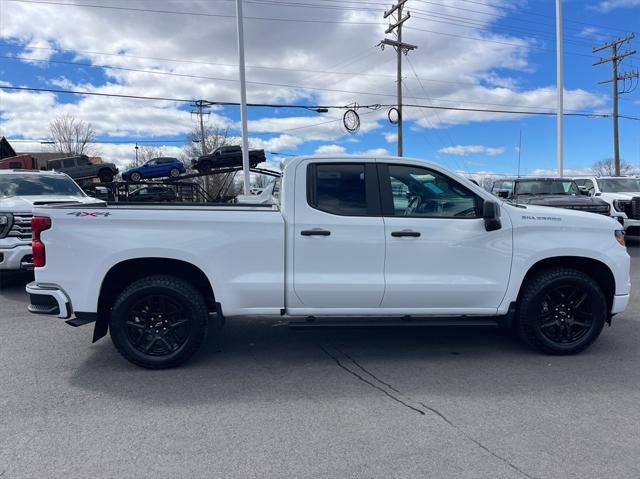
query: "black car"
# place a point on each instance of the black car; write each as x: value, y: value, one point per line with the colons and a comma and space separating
x: 225, y: 157
x: 554, y: 192
x: 154, y: 194
x: 80, y: 167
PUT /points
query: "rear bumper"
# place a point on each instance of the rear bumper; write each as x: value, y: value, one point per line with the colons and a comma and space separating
x: 17, y: 258
x: 48, y: 299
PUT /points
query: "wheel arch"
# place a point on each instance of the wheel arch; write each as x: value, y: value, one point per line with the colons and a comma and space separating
x: 126, y: 272
x: 595, y: 269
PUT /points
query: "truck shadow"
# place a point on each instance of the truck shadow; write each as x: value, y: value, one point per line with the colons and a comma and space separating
x: 265, y: 361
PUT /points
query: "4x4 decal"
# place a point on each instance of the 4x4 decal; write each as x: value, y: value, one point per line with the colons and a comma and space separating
x: 93, y: 214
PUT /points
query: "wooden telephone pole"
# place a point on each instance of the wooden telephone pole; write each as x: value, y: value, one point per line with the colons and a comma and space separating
x: 401, y: 48
x: 615, y: 58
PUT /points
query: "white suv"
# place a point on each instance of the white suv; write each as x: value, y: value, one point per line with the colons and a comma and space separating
x: 20, y: 191
x: 621, y: 192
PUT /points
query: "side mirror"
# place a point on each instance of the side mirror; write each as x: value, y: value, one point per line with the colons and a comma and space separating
x: 491, y: 215
x: 503, y: 193
x: 583, y: 190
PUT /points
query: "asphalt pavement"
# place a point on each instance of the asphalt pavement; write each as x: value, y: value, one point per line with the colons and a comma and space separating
x: 391, y: 403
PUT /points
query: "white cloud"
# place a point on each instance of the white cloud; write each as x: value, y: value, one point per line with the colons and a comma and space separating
x: 376, y: 152
x: 391, y: 137
x: 455, y: 71
x: 464, y: 150
x: 606, y: 6
x: 330, y: 149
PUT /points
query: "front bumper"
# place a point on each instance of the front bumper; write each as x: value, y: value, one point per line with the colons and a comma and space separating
x: 48, y: 299
x: 20, y: 257
x: 620, y: 302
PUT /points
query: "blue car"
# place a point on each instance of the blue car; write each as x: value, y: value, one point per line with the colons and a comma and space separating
x: 156, y: 168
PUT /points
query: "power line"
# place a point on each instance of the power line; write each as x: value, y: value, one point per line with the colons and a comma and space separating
x: 178, y: 12
x: 376, y: 106
x: 329, y: 71
x: 195, y: 14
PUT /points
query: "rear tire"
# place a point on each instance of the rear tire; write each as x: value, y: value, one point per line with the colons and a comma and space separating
x: 174, y: 172
x: 561, y: 311
x: 135, y: 177
x: 158, y: 322
x: 106, y: 176
x: 205, y: 167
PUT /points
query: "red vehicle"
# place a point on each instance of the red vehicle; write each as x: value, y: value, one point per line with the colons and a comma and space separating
x: 20, y: 162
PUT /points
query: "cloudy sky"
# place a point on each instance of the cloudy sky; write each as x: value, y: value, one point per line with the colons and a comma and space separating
x: 474, y: 54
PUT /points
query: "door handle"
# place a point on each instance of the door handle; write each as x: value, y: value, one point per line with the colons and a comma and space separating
x: 315, y: 232
x: 405, y: 233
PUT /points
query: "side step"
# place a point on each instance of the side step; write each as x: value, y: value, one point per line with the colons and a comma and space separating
x: 312, y: 323
x: 77, y: 322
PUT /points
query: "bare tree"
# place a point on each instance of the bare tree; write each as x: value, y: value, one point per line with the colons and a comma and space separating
x: 214, y: 137
x: 261, y: 181
x: 145, y: 153
x: 606, y: 167
x: 71, y: 136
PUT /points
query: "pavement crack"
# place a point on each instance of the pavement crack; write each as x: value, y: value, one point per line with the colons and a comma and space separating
x: 370, y: 383
x: 401, y: 398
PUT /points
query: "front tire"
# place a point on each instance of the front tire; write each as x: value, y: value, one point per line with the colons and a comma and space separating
x: 158, y: 322
x: 561, y: 311
x: 174, y: 172
x: 135, y: 177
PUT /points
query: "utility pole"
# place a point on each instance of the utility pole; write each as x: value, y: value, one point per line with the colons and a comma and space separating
x: 401, y: 48
x: 200, y: 106
x: 615, y: 58
x: 243, y: 99
x: 559, y: 92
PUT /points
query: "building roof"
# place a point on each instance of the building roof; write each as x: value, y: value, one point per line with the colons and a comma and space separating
x: 46, y: 155
x: 5, y: 149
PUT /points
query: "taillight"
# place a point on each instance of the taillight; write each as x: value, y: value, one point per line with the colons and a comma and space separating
x: 38, y: 225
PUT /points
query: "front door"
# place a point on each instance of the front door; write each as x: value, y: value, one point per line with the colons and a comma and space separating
x: 338, y: 258
x: 439, y: 257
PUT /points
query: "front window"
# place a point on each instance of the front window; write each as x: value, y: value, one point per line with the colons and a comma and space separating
x: 38, y: 185
x: 426, y: 193
x: 547, y: 187
x: 619, y: 185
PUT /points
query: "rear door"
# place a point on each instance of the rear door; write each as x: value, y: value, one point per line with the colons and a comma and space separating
x: 70, y: 168
x: 439, y: 257
x: 338, y: 258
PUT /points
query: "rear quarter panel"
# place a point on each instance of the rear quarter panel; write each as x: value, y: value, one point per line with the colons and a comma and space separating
x: 240, y: 250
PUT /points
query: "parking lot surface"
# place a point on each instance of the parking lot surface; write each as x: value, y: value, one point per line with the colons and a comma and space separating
x: 275, y: 402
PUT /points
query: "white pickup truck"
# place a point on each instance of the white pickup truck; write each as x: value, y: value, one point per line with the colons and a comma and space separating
x: 20, y: 192
x: 371, y: 239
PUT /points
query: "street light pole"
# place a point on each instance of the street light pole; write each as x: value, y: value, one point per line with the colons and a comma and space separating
x: 243, y: 100
x: 560, y: 92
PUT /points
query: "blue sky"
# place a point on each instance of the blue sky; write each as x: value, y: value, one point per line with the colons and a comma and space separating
x: 487, y: 54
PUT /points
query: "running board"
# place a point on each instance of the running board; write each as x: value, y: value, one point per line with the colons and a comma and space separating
x: 312, y: 323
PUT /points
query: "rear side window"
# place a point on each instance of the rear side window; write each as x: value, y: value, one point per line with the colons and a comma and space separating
x: 339, y: 189
x: 69, y: 163
x: 55, y: 165
x: 83, y: 161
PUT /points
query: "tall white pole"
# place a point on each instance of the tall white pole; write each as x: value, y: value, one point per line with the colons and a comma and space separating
x: 243, y: 100
x: 560, y: 88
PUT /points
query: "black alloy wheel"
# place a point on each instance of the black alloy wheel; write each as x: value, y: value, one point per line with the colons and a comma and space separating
x: 566, y: 314
x: 159, y: 321
x: 158, y: 325
x: 561, y: 311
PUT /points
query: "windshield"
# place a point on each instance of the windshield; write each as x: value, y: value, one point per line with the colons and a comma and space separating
x: 38, y: 185
x: 618, y: 185
x: 547, y: 187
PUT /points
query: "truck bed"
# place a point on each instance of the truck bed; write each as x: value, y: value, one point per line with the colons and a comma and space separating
x: 239, y: 248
